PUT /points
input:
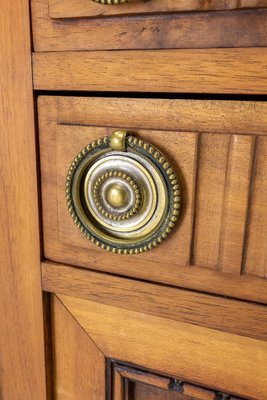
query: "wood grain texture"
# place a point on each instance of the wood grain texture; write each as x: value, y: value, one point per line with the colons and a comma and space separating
x: 83, y: 8
x: 147, y: 385
x: 223, y: 187
x: 176, y: 348
x: 256, y: 251
x: 119, y: 387
x: 213, y: 154
x: 210, y: 116
x: 21, y: 334
x: 137, y: 375
x: 145, y: 392
x: 236, y: 71
x: 142, y: 391
x: 79, y: 365
x: 195, y: 308
x: 63, y: 132
x: 236, y: 199
x: 191, y: 30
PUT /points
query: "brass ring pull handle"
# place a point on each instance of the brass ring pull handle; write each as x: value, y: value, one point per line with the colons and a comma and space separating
x: 111, y: 2
x: 123, y: 194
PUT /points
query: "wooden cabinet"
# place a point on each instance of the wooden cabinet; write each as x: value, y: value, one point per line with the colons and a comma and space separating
x: 183, y: 320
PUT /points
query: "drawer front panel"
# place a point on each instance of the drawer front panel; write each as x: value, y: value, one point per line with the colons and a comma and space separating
x: 90, y: 8
x: 217, y: 245
x: 53, y: 21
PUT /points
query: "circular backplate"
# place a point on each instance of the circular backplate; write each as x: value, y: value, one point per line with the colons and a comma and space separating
x: 125, y: 201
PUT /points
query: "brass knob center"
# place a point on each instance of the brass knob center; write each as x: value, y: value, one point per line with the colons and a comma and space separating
x: 117, y: 195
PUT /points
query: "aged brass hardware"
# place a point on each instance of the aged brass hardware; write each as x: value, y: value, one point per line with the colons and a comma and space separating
x: 123, y: 194
x: 111, y: 2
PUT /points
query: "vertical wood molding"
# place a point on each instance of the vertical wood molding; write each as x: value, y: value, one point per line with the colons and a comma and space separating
x: 255, y: 251
x: 21, y: 334
x: 236, y: 199
x: 213, y: 155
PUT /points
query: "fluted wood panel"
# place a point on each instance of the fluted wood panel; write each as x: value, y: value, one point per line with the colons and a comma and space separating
x: 212, y: 165
x: 256, y: 247
x: 223, y: 223
x: 222, y: 195
x: 236, y: 198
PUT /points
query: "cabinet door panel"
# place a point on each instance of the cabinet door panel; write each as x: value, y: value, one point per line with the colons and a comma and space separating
x: 105, y: 352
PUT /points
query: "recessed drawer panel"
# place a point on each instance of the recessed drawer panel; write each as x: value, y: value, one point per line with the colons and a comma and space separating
x: 217, y: 149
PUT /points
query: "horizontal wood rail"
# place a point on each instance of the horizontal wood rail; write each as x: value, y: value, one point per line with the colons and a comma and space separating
x: 233, y: 316
x: 235, y: 71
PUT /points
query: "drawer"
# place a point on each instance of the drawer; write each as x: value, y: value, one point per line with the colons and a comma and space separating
x: 157, y: 24
x: 218, y: 150
x: 90, y: 8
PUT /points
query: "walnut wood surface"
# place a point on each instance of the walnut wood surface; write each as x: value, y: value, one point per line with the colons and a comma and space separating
x: 237, y: 183
x: 218, y: 71
x: 142, y: 385
x: 137, y: 384
x: 210, y: 116
x: 255, y: 262
x: 185, y: 30
x: 145, y: 392
x: 195, y: 308
x: 85, y: 8
x: 82, y: 370
x: 79, y: 365
x: 199, y: 355
x: 22, y: 373
x: 216, y: 173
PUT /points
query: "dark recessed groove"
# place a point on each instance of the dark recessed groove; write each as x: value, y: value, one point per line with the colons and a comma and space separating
x: 155, y: 95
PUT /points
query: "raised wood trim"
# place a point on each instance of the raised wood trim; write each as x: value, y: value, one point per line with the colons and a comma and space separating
x: 22, y: 338
x: 122, y: 372
x: 172, y: 303
x: 192, y: 353
x: 237, y: 182
x: 235, y: 71
x: 210, y: 116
